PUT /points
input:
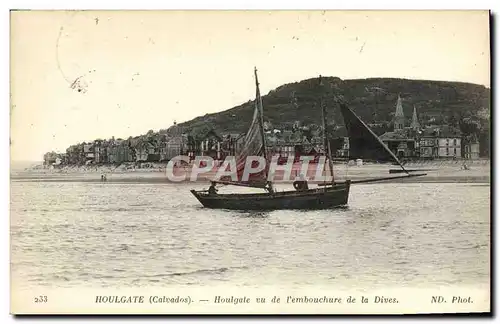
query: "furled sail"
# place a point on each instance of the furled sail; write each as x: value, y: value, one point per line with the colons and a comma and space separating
x: 363, y: 142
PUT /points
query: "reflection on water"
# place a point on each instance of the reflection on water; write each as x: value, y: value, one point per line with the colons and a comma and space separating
x: 91, y: 234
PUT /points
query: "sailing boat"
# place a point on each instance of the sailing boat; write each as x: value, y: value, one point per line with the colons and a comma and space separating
x: 327, y: 195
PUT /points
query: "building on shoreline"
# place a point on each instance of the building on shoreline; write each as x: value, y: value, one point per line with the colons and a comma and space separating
x: 471, y: 147
x: 442, y: 142
x: 119, y: 151
x: 431, y: 142
x: 175, y: 143
x: 415, y: 141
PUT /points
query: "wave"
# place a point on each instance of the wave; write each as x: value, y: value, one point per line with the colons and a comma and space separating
x: 157, y: 277
x: 199, y: 271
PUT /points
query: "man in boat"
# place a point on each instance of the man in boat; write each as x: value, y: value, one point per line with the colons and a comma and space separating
x: 212, y: 190
x: 269, y: 187
x: 301, y: 183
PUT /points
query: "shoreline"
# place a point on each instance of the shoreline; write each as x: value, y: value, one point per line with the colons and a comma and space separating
x: 147, y: 167
x: 437, y: 172
x: 164, y: 180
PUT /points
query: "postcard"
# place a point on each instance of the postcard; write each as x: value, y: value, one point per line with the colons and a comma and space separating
x: 250, y: 162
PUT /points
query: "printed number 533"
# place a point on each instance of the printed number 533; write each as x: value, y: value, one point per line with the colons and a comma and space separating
x: 41, y: 299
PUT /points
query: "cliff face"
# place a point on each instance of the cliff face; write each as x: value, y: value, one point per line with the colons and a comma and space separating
x: 374, y: 100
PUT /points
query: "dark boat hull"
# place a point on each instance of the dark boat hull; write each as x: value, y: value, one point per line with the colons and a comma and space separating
x: 320, y: 198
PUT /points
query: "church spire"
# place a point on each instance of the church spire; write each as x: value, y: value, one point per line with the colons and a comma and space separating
x: 415, y: 125
x: 399, y: 118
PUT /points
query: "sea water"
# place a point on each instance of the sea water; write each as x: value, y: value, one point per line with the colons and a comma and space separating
x: 81, y: 234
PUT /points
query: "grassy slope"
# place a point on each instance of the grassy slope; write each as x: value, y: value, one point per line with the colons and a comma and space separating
x: 373, y: 100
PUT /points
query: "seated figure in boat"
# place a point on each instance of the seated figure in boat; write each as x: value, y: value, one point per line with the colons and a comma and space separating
x: 212, y: 190
x: 301, y: 183
x: 269, y: 187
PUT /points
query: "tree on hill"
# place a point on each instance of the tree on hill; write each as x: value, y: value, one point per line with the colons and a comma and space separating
x: 374, y: 100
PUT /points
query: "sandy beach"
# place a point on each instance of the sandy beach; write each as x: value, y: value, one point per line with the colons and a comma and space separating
x: 436, y: 171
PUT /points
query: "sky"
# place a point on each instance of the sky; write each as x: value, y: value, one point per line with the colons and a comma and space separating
x: 142, y: 70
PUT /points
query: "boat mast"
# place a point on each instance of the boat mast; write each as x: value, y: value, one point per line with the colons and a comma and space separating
x: 326, y: 142
x: 261, y: 122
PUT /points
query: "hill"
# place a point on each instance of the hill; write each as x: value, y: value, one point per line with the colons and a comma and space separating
x: 374, y: 100
x: 462, y: 105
